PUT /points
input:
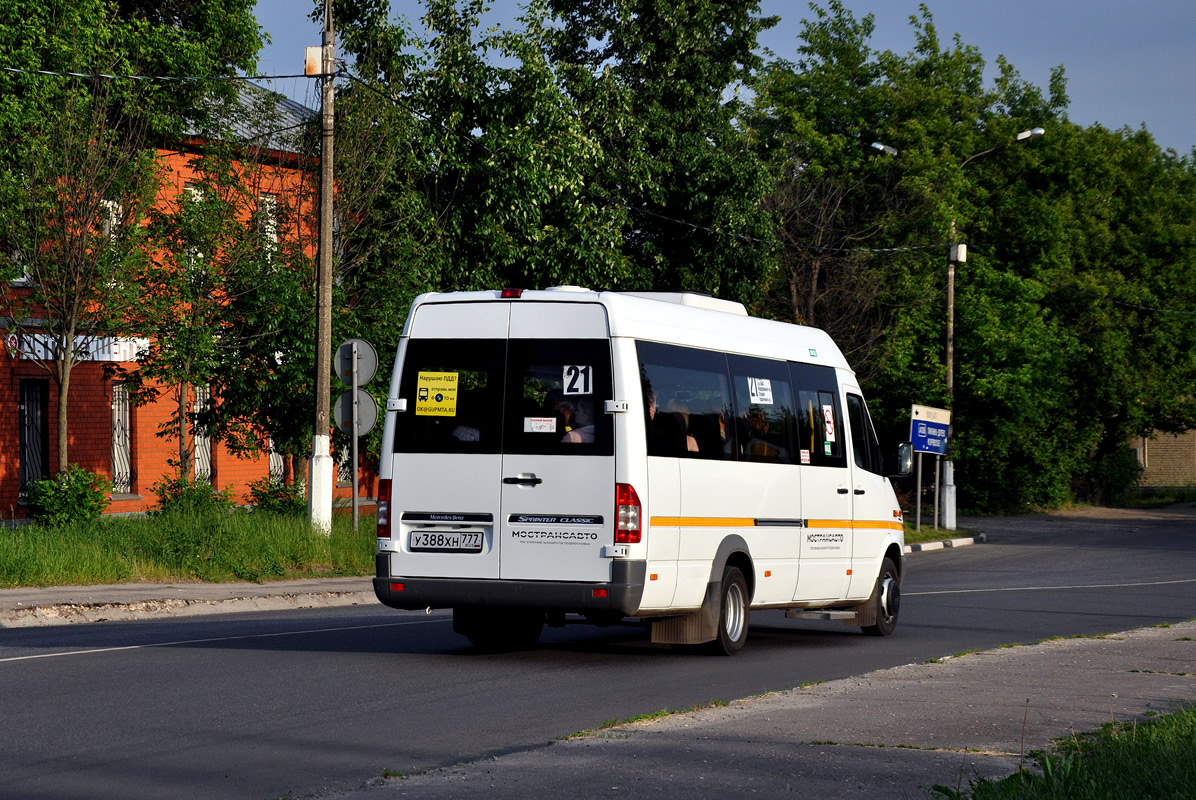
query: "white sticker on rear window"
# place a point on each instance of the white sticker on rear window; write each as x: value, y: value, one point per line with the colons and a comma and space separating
x: 539, y: 424
x: 577, y: 379
x: 760, y: 390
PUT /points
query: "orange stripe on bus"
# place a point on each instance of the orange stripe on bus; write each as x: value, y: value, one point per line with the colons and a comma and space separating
x: 743, y: 522
x: 705, y: 522
x: 871, y: 523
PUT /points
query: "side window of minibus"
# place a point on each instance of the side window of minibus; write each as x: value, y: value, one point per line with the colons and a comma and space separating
x: 687, y: 402
x: 765, y: 414
x: 864, y: 445
x: 820, y: 419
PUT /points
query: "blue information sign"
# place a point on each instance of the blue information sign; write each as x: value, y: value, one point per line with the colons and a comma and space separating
x: 929, y: 430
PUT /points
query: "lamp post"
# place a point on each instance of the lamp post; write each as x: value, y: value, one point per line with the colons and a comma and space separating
x: 957, y: 253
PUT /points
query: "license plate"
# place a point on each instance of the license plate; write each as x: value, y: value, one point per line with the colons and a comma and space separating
x: 446, y: 541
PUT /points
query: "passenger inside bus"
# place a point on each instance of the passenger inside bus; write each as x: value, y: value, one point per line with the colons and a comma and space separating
x: 578, y: 413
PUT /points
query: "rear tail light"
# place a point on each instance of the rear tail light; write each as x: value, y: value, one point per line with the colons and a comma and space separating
x: 627, y: 514
x: 384, y: 508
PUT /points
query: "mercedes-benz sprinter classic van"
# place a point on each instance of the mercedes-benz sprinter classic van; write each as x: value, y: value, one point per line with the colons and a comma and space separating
x: 658, y: 456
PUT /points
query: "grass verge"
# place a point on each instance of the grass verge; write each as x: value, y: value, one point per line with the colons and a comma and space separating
x: 216, y: 546
x: 658, y: 714
x: 1156, y: 758
x: 1156, y: 498
x: 929, y: 534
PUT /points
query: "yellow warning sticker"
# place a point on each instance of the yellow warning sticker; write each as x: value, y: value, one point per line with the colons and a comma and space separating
x: 436, y: 394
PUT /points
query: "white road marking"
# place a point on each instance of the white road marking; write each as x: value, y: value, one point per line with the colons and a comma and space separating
x: 217, y: 639
x: 1049, y: 588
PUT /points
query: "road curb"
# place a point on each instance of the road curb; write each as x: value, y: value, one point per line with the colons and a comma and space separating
x: 961, y: 542
x: 115, y: 603
x: 69, y: 614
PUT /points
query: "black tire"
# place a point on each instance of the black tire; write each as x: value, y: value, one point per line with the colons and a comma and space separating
x: 886, y: 599
x: 499, y: 629
x: 734, y: 610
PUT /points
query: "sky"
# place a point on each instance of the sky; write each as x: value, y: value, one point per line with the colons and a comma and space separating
x: 1128, y: 63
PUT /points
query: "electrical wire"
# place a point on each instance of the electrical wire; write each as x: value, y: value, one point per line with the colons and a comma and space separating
x: 194, y: 78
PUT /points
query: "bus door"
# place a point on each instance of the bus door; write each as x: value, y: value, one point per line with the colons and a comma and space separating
x: 447, y: 462
x: 874, y: 506
x: 826, y: 486
x: 558, y: 466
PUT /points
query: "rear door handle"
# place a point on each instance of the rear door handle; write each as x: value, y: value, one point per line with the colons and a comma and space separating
x: 532, y: 481
x: 842, y: 490
x: 859, y: 491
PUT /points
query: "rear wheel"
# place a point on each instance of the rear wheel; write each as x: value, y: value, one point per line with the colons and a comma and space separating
x: 886, y: 599
x: 496, y: 629
x: 733, y: 614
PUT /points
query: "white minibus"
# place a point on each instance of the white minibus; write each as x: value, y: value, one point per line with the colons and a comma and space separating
x: 657, y: 456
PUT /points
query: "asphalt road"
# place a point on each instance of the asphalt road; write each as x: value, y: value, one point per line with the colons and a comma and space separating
x: 302, y: 703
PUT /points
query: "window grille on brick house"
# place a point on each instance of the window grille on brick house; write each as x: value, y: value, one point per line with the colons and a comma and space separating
x: 277, y: 464
x: 33, y: 412
x: 201, y: 445
x: 122, y: 447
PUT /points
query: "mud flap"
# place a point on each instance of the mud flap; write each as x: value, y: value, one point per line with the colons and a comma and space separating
x: 865, y: 614
x: 697, y: 628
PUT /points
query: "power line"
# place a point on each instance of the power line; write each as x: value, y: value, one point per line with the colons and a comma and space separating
x: 194, y: 78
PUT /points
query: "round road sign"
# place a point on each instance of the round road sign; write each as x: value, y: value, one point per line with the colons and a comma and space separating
x: 367, y: 412
x: 367, y: 361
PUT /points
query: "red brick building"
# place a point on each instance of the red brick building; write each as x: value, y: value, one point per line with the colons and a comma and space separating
x: 106, y: 433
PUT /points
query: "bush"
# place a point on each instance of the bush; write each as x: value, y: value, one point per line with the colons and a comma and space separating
x: 1110, y: 477
x: 74, y: 496
x: 184, y: 495
x: 275, y: 497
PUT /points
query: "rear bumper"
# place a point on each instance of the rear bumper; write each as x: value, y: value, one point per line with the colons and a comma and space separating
x: 623, y: 592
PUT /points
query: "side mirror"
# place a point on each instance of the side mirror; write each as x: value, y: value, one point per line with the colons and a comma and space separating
x: 905, y: 460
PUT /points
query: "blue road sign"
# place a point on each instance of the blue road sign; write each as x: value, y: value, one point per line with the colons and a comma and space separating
x: 929, y: 429
x: 929, y: 437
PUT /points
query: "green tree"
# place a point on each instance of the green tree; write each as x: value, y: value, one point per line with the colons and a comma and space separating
x: 75, y: 180
x: 530, y: 160
x: 658, y: 89
x: 841, y: 211
x: 77, y: 167
x: 228, y: 304
x: 458, y: 170
x: 1072, y: 312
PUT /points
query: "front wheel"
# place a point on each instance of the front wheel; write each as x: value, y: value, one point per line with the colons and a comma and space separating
x: 886, y: 599
x: 733, y: 614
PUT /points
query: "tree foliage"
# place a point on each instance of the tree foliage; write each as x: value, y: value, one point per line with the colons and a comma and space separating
x: 632, y: 145
x: 77, y: 167
x: 1072, y: 311
x: 227, y: 305
x: 657, y: 87
x: 608, y: 144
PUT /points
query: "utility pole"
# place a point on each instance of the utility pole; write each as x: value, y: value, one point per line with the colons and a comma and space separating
x: 320, y: 477
x: 958, y: 254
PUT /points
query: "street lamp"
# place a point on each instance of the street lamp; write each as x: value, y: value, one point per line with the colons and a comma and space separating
x: 957, y: 253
